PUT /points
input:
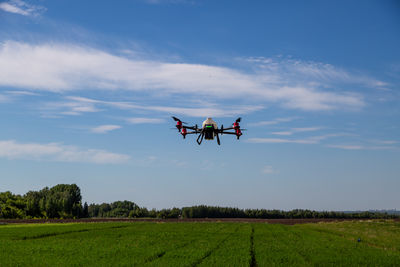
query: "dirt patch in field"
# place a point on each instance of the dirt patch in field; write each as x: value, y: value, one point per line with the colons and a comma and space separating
x: 233, y: 220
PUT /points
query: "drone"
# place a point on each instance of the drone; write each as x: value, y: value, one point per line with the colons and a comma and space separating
x: 209, y: 130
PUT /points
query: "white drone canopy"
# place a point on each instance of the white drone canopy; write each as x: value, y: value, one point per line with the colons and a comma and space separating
x: 210, y: 121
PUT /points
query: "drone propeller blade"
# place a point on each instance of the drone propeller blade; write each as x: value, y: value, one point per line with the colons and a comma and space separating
x: 218, y: 141
x: 176, y: 119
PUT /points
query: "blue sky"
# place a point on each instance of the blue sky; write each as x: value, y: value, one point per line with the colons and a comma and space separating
x: 87, y: 91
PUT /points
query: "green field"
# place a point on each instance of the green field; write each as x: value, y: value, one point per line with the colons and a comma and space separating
x: 201, y: 244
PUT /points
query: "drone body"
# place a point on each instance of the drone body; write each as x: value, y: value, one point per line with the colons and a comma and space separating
x: 209, y: 130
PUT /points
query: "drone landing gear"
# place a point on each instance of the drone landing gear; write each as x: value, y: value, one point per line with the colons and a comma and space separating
x: 200, y: 138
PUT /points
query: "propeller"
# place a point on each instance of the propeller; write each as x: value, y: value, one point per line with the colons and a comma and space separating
x: 176, y: 119
x: 238, y: 119
x: 219, y: 143
x: 222, y: 128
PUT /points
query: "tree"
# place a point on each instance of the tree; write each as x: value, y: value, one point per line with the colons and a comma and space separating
x: 85, y: 212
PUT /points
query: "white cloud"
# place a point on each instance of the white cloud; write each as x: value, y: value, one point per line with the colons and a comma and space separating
x: 272, y: 122
x: 316, y: 73
x: 309, y: 140
x: 297, y: 130
x: 57, y: 152
x: 306, y: 129
x: 347, y: 147
x: 75, y: 106
x: 21, y: 93
x: 105, y: 128
x: 386, y: 142
x: 268, y: 170
x: 363, y: 147
x: 282, y: 141
x: 282, y: 133
x: 63, y: 67
x: 205, y: 111
x: 144, y: 120
x: 21, y: 8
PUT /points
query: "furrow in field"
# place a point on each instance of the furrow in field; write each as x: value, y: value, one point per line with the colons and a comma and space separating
x: 276, y: 245
x: 180, y: 248
x: 45, y: 235
x: 212, y: 250
x: 53, y: 234
x: 253, y: 262
x: 158, y: 255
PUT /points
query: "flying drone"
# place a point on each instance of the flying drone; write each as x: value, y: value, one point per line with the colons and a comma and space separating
x: 209, y: 129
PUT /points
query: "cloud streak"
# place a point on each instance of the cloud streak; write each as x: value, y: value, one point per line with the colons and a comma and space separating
x: 65, y: 67
x: 144, y: 120
x: 21, y: 8
x: 297, y: 130
x: 308, y: 141
x: 57, y: 152
x: 363, y: 147
x: 105, y: 128
x: 272, y: 122
x: 78, y: 105
x: 268, y: 169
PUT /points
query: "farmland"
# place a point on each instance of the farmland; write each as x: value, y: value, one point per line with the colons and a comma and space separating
x: 201, y: 244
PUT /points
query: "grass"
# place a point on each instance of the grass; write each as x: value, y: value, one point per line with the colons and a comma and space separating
x: 201, y: 244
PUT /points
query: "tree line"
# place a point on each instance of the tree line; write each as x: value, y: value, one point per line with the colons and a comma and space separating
x: 60, y: 201
x: 65, y: 201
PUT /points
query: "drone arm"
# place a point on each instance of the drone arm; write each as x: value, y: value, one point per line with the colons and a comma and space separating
x: 229, y: 128
x: 189, y: 127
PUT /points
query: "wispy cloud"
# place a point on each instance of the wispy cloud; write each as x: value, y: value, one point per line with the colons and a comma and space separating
x: 308, y: 140
x: 144, y: 120
x: 58, y: 152
x: 297, y: 130
x: 363, y: 147
x: 282, y: 141
x: 63, y: 67
x: 72, y: 108
x: 347, y: 147
x: 272, y: 122
x: 22, y: 8
x: 386, y: 142
x: 105, y: 128
x: 10, y: 96
x: 311, y: 72
x: 21, y: 93
x: 78, y: 105
x: 268, y: 169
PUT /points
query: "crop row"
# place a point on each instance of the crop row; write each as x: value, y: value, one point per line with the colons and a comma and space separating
x: 200, y: 244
